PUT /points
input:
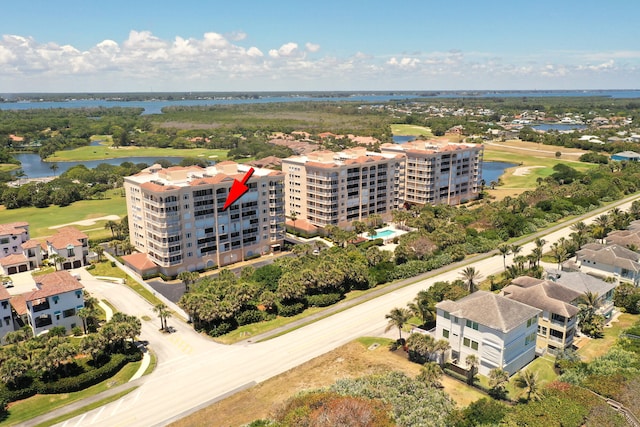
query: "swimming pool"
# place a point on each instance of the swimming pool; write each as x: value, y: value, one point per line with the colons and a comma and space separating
x: 384, y: 234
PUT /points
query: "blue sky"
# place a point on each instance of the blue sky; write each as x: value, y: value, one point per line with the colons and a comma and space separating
x: 252, y: 45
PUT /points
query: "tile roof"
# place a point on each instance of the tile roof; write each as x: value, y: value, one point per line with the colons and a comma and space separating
x: 66, y: 236
x: 52, y: 284
x: 19, y: 304
x: 29, y: 244
x: 4, y: 294
x: 489, y: 309
x: 13, y: 228
x: 140, y: 261
x: 543, y: 294
x: 13, y: 259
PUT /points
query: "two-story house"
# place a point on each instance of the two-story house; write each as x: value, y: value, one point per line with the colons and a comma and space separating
x: 583, y: 283
x: 55, y: 302
x: 557, y: 324
x: 18, y: 252
x: 609, y: 261
x: 6, y: 317
x: 72, y: 245
x: 499, y: 331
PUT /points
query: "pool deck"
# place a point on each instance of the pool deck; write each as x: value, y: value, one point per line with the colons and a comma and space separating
x: 388, y: 240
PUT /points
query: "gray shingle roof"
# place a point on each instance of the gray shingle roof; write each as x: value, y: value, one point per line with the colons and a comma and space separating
x: 581, y: 282
x: 491, y: 310
x: 543, y: 294
x: 615, y: 255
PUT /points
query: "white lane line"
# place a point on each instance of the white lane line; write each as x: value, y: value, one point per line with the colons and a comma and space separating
x: 115, y: 410
x: 79, y: 423
x: 97, y: 416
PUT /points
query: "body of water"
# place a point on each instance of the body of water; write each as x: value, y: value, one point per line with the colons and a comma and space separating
x: 155, y: 106
x: 558, y: 126
x: 401, y: 139
x: 34, y: 167
x: 491, y: 171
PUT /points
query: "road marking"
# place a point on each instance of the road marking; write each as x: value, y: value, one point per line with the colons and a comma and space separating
x: 97, y: 417
x: 79, y: 423
x: 115, y: 410
x: 135, y: 399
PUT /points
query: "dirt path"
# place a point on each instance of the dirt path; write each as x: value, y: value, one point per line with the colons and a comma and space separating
x: 88, y: 222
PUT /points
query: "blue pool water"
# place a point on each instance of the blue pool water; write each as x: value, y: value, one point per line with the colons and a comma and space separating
x: 382, y: 234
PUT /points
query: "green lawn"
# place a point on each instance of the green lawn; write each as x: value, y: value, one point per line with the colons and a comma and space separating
x: 40, y: 219
x: 40, y: 404
x: 105, y: 152
x: 541, y: 167
x: 593, y: 348
x: 410, y: 130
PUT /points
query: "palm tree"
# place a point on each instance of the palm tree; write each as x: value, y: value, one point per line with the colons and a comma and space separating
x: 397, y: 319
x: 57, y: 260
x: 430, y: 374
x: 12, y: 369
x: 163, y: 313
x: 470, y: 275
x: 54, y: 167
x: 560, y: 253
x: 516, y: 249
x: 293, y: 216
x: 498, y: 378
x: 472, y: 363
x: 188, y: 278
x: 112, y: 225
x: 422, y: 306
x: 504, y: 250
x: 441, y: 346
x: 528, y: 380
x: 99, y: 250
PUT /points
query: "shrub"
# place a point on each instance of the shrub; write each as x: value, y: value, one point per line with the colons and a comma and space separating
x: 77, y: 331
x: 250, y: 316
x: 250, y: 257
x: 323, y: 300
x: 221, y: 329
x: 113, y: 263
x: 288, y: 310
x: 91, y: 267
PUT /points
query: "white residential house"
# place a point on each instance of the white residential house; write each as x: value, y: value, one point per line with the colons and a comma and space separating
x: 18, y: 252
x: 609, y: 261
x: 6, y: 317
x: 55, y: 302
x: 71, y: 244
x: 500, y: 332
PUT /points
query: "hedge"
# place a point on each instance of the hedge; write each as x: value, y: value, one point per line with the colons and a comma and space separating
x: 323, y: 300
x: 71, y: 384
x: 288, y: 310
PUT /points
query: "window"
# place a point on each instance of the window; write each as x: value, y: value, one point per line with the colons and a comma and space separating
x: 445, y: 333
x: 68, y: 313
x: 542, y: 330
x: 472, y: 325
x: 446, y: 315
x: 530, y: 338
x: 532, y: 321
x: 470, y: 343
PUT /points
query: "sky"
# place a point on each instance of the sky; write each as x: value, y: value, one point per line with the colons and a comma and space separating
x: 327, y: 45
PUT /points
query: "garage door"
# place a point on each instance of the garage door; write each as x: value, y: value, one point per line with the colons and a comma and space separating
x: 12, y: 270
x: 22, y: 268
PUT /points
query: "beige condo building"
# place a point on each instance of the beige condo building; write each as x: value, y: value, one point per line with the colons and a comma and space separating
x: 439, y: 172
x: 177, y: 221
x: 327, y: 188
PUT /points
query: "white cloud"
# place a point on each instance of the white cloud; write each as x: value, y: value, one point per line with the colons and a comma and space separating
x: 215, y: 61
x: 312, y: 47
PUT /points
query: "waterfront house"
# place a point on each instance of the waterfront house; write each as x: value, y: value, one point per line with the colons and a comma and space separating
x: 499, y: 331
x: 609, y: 261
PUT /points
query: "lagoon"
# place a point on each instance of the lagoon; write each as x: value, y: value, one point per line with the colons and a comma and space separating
x: 560, y: 127
x: 34, y: 167
x: 492, y: 171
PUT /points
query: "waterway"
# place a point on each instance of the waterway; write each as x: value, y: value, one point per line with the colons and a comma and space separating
x: 155, y: 106
x: 560, y: 127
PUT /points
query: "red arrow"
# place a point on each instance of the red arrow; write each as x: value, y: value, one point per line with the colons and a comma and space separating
x: 237, y: 189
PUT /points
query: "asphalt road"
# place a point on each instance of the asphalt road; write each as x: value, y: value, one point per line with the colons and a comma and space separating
x: 193, y: 371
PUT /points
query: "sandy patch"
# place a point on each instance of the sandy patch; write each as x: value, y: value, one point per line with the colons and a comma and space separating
x: 525, y: 170
x: 88, y: 222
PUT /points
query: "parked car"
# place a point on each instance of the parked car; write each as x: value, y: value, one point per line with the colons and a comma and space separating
x: 7, y: 283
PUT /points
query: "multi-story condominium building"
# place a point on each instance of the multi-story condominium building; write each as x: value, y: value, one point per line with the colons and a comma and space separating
x: 18, y: 252
x: 55, y: 302
x: 557, y: 324
x: 72, y: 245
x: 6, y: 316
x: 177, y: 219
x: 500, y: 332
x: 326, y: 188
x: 438, y: 172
